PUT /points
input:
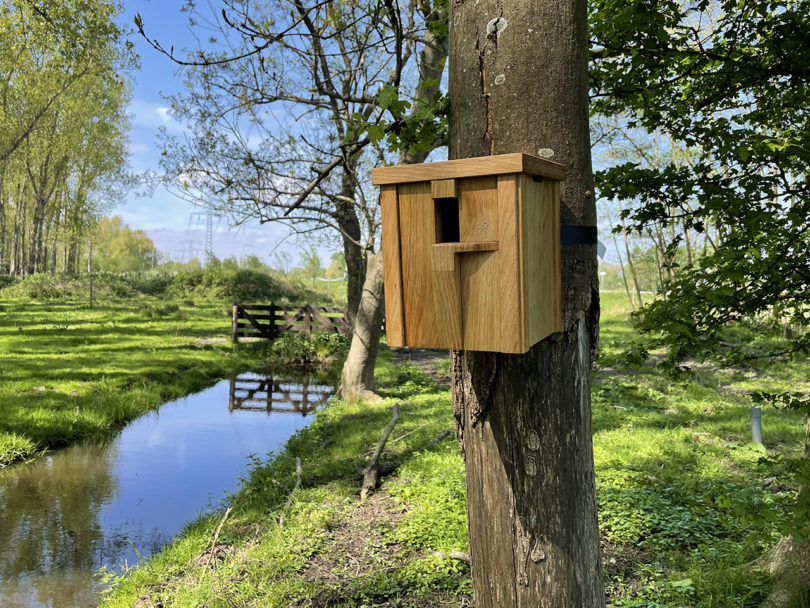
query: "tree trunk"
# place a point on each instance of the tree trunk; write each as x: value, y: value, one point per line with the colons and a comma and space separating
x: 621, y: 265
x: 630, y: 259
x: 518, y: 83
x: 3, y: 266
x: 346, y: 217
x: 357, y: 377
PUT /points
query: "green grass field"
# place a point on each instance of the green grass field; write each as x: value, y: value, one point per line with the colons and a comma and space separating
x: 68, y: 371
x: 686, y: 501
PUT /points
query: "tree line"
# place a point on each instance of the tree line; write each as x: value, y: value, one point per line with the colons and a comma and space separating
x: 64, y: 91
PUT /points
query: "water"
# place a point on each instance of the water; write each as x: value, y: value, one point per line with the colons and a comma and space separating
x: 104, y: 502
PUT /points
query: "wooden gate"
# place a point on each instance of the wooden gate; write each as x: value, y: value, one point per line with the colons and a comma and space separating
x: 269, y: 321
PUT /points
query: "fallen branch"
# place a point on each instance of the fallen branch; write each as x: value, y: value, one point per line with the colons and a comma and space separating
x: 436, y: 439
x: 457, y: 555
x: 214, y: 543
x: 371, y: 473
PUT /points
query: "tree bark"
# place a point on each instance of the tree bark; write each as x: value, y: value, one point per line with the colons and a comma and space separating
x: 518, y: 83
x: 346, y: 217
x: 357, y: 377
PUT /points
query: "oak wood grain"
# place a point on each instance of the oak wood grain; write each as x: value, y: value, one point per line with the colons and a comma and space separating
x: 469, y: 167
x: 509, y: 266
x: 444, y: 188
x: 392, y: 267
x: 417, y: 235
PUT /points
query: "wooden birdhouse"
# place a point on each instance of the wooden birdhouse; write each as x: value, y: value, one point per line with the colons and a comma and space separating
x: 471, y: 252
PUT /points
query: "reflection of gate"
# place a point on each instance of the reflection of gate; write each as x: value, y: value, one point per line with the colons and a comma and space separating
x: 269, y: 395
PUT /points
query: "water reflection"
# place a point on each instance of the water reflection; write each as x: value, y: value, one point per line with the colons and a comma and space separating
x: 103, y: 502
x: 276, y: 395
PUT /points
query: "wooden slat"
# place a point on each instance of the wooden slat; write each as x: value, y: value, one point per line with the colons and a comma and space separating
x: 479, y: 272
x: 480, y: 304
x: 509, y: 261
x: 418, y: 234
x: 446, y: 268
x: 256, y: 306
x: 540, y: 234
x: 265, y: 317
x: 265, y: 330
x: 444, y: 188
x: 392, y: 267
x: 469, y: 167
x: 478, y: 209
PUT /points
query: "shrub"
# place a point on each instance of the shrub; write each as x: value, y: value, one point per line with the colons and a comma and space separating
x: 224, y: 283
x: 6, y: 280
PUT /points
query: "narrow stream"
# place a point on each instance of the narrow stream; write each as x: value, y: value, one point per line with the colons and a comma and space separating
x: 103, y: 503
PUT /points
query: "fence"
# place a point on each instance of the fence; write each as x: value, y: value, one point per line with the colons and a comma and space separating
x: 270, y: 320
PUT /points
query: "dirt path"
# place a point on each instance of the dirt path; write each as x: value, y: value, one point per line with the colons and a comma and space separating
x: 433, y: 362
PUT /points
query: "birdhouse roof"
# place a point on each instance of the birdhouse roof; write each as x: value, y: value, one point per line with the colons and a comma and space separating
x: 469, y: 167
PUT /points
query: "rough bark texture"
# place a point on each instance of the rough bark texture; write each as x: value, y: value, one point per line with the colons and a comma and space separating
x: 357, y: 377
x: 355, y: 263
x: 518, y: 83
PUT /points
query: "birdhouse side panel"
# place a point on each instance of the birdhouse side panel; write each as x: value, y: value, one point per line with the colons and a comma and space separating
x: 540, y: 228
x: 392, y: 267
x: 510, y: 261
x: 417, y: 225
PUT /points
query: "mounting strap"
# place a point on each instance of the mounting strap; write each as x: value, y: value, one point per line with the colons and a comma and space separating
x: 578, y: 235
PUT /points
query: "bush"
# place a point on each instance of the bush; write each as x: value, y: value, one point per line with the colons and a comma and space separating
x: 297, y: 350
x: 46, y: 286
x: 224, y: 283
x: 6, y: 280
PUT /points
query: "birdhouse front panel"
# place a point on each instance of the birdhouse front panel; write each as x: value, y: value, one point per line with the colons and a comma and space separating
x: 471, y: 253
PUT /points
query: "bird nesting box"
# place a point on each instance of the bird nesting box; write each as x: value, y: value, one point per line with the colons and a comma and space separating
x: 471, y: 252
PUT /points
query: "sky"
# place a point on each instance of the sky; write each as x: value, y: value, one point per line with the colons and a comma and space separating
x: 166, y: 219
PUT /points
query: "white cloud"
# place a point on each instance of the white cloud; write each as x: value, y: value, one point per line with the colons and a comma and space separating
x: 165, y: 114
x: 136, y: 148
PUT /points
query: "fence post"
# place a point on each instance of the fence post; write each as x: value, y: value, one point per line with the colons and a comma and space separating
x: 308, y: 320
x: 235, y: 323
x: 273, y: 329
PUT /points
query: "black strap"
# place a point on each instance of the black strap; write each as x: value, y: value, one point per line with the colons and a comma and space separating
x: 578, y: 235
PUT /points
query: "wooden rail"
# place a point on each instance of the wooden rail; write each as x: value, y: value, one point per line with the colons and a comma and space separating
x: 276, y: 395
x: 269, y: 321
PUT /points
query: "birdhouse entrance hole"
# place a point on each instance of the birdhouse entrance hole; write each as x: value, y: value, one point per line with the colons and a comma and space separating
x: 447, y: 225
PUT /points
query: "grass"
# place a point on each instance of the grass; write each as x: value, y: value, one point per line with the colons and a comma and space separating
x: 686, y: 502
x: 68, y: 371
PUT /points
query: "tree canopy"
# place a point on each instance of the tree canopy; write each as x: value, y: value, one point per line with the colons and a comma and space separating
x: 727, y: 84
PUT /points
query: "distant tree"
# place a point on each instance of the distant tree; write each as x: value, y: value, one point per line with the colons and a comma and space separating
x: 322, y: 89
x: 63, y: 94
x: 726, y: 85
x: 337, y: 267
x: 118, y: 248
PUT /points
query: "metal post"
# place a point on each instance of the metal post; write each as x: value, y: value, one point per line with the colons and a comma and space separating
x: 756, y: 424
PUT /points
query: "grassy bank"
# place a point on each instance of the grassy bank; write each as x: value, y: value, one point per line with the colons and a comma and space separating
x: 68, y: 371
x: 686, y: 503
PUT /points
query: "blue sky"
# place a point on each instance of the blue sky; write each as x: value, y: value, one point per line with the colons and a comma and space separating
x: 164, y: 217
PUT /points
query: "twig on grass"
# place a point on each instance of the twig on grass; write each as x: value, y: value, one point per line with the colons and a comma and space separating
x: 214, y: 543
x: 371, y: 473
